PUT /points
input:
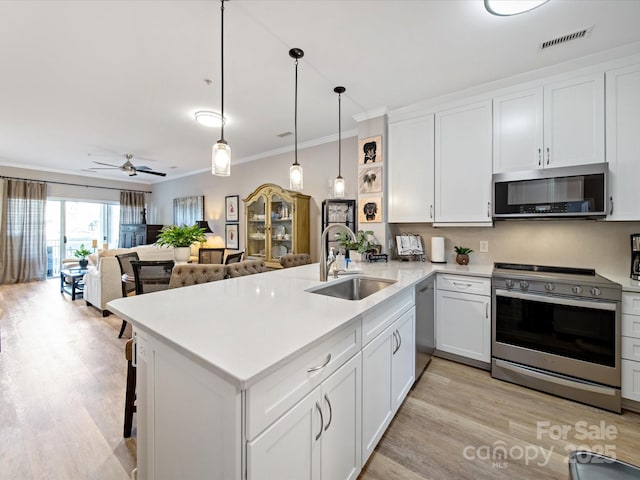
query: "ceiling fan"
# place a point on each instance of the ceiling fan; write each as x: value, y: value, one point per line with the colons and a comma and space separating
x: 127, y: 167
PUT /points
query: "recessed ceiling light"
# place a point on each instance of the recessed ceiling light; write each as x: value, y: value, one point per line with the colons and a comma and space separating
x: 511, y: 7
x: 209, y: 118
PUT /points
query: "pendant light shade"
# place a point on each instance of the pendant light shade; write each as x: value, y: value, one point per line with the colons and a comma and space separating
x: 221, y: 152
x: 295, y: 172
x: 338, y: 183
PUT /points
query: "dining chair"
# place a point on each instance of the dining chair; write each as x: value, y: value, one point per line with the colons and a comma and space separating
x: 127, y: 278
x: 234, y: 258
x: 211, y: 255
x: 152, y: 275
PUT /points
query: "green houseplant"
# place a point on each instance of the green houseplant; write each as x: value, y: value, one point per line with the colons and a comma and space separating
x: 363, y: 244
x: 181, y: 238
x: 82, y: 253
x: 462, y: 255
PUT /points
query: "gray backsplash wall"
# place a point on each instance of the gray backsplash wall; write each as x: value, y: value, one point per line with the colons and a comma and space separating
x: 604, y: 246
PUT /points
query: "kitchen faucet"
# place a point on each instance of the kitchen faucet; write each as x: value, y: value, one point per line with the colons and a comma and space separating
x: 324, y: 265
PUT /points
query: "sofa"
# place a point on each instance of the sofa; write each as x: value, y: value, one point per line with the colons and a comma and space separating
x: 102, y: 283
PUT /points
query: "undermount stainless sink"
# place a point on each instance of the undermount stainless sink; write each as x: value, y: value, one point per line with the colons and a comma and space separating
x: 355, y: 288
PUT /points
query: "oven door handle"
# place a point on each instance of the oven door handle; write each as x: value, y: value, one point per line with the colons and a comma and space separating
x: 610, y: 306
x: 589, y: 387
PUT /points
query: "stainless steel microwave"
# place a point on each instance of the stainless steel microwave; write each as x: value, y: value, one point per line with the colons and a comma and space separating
x: 577, y: 191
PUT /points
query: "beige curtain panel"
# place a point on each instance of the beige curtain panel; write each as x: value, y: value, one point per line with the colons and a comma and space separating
x: 23, y: 248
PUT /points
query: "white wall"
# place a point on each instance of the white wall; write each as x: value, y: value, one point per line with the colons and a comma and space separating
x: 320, y: 166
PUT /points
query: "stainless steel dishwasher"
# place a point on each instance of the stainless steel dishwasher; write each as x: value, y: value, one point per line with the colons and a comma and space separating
x: 425, y: 324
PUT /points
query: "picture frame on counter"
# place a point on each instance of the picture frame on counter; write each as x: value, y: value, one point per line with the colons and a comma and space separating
x: 231, y: 208
x: 231, y: 234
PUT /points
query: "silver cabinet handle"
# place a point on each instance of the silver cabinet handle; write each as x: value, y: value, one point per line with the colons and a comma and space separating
x: 486, y: 309
x: 396, y: 335
x: 430, y: 211
x: 547, y: 155
x: 460, y: 284
x: 610, y: 205
x: 488, y: 209
x: 134, y: 352
x: 326, y: 399
x: 539, y: 157
x: 395, y: 341
x: 320, y: 367
x: 399, y: 339
x: 321, y: 421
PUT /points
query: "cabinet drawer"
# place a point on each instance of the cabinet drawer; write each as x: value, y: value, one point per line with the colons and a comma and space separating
x: 631, y: 303
x: 631, y: 348
x: 272, y: 396
x: 631, y: 380
x: 464, y: 283
x: 377, y: 319
x: 631, y: 325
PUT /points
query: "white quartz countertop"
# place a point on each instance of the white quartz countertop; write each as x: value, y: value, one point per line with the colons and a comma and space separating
x: 628, y: 285
x: 244, y: 328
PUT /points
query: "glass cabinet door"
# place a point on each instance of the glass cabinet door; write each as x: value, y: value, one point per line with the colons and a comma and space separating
x: 281, y: 234
x: 257, y: 228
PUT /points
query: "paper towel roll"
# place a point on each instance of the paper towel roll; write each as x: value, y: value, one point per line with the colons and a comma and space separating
x: 437, y: 250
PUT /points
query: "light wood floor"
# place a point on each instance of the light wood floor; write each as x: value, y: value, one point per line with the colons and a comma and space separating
x: 62, y: 379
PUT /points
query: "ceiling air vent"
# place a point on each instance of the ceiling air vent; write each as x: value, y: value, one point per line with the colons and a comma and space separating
x: 566, y: 38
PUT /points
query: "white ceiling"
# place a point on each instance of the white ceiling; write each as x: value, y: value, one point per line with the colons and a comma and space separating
x: 112, y: 77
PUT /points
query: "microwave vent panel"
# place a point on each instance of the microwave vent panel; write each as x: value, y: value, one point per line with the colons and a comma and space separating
x: 585, y: 32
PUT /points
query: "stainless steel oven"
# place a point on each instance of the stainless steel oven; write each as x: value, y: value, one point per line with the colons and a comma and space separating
x: 557, y: 330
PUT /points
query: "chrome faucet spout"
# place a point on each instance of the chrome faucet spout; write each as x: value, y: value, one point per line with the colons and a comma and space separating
x: 324, y: 266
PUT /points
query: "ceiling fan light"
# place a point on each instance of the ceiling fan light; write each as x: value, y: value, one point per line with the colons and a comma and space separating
x: 209, y: 118
x: 295, y: 177
x: 338, y: 187
x: 511, y: 7
x: 221, y: 159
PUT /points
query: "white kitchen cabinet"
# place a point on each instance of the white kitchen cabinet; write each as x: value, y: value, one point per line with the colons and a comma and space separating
x: 388, y: 371
x: 630, y: 344
x: 463, y: 146
x: 623, y: 142
x: 319, y: 438
x: 555, y: 125
x: 410, y: 170
x: 463, y: 319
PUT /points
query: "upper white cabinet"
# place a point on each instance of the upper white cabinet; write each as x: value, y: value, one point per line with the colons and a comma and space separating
x: 410, y: 170
x: 555, y: 125
x: 623, y: 141
x: 463, y: 164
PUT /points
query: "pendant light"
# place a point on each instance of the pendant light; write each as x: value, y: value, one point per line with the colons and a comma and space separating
x: 295, y: 172
x: 338, y: 183
x: 221, y: 152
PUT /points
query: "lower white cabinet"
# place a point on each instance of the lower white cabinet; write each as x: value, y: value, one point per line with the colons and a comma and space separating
x: 630, y: 346
x: 319, y: 438
x: 463, y: 320
x: 388, y: 371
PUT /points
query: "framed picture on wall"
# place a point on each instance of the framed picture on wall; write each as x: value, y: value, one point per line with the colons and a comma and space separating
x: 231, y: 231
x: 370, y: 210
x: 231, y: 208
x: 370, y: 150
x: 370, y: 180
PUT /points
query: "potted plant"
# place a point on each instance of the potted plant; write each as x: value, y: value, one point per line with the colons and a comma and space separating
x: 82, y: 253
x: 462, y: 255
x: 181, y: 238
x: 355, y: 250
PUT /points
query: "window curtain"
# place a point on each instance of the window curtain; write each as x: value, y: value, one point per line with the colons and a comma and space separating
x: 132, y: 208
x: 188, y: 210
x: 23, y: 244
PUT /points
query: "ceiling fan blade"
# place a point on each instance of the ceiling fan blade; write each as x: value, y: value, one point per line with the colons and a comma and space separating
x: 108, y: 164
x: 160, y: 174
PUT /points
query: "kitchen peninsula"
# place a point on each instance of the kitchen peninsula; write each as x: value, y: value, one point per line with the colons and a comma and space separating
x: 256, y: 377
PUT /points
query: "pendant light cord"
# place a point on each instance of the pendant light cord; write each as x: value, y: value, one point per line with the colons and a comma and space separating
x: 222, y: 67
x: 295, y: 119
x: 339, y: 135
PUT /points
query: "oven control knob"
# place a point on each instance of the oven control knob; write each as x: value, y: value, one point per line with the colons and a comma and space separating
x: 549, y: 287
x: 577, y: 289
x: 595, y: 291
x: 509, y: 283
x: 524, y: 284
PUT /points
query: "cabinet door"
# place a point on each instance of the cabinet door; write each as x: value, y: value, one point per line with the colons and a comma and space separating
x: 463, y: 325
x: 341, y: 452
x: 574, y: 122
x: 290, y: 448
x: 631, y: 380
x: 411, y: 164
x: 377, y: 404
x: 517, y: 131
x: 256, y: 228
x: 463, y: 164
x: 623, y: 142
x: 403, y: 358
